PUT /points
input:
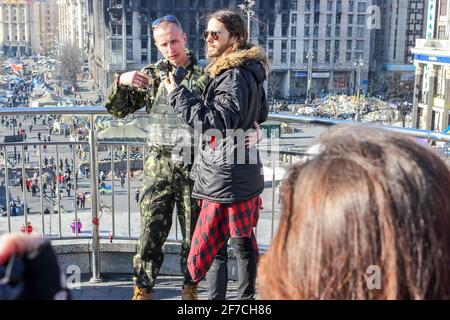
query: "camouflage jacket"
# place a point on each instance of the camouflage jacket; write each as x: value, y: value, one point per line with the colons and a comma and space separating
x: 164, y: 126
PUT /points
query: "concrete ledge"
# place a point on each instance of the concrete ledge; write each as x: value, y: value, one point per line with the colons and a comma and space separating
x: 117, y: 257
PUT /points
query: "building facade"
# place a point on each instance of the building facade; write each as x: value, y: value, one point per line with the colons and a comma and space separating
x: 402, y: 22
x: 335, y: 34
x: 329, y: 41
x: 72, y: 23
x: 27, y: 27
x: 432, y: 74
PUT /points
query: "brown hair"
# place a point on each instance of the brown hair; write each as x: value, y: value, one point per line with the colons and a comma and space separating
x: 235, y: 25
x: 370, y: 198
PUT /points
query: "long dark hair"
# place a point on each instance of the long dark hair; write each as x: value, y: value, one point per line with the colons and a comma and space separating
x: 370, y: 199
x: 235, y: 25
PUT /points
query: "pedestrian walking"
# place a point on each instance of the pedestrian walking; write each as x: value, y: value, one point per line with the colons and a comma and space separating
x: 136, y: 196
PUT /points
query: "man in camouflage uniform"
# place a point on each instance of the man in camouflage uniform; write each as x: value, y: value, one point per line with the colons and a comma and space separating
x: 166, y: 176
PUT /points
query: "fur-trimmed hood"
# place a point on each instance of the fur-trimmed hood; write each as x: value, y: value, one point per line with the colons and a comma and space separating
x: 253, y: 59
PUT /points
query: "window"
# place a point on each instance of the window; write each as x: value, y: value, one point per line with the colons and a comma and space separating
x: 293, y: 18
x: 361, y: 7
x: 441, y: 33
x: 349, y: 32
x: 316, y: 31
x: 336, y: 45
x: 328, y: 35
x: 283, y: 57
x: 328, y: 45
x: 116, y: 29
x: 336, y: 57
x: 294, y: 31
x: 351, y: 4
x: 360, y: 45
x: 293, y: 57
x: 337, y: 32
x: 270, y: 44
x: 350, y: 19
x: 144, y: 30
x: 329, y: 19
x: 293, y: 44
x: 306, y: 32
x: 294, y: 5
x: 327, y: 57
x: 144, y: 43
x: 349, y: 44
x: 348, y: 56
x: 307, y: 18
x: 329, y: 5
x: 116, y: 44
x: 284, y: 45
x: 316, y: 18
x: 361, y: 32
x: 308, y: 6
x: 306, y: 45
x: 129, y: 49
x: 361, y: 19
x: 443, y: 8
x: 144, y: 58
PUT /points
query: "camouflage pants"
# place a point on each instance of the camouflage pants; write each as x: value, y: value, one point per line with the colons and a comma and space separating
x: 164, y: 184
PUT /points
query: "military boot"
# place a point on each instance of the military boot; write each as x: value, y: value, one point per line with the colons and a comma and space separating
x: 142, y: 294
x: 189, y: 292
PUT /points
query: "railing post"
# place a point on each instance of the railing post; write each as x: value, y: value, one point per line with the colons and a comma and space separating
x: 272, y: 153
x: 94, y: 204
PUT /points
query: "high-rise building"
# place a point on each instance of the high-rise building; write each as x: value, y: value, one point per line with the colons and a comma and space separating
x: 328, y: 42
x: 432, y: 74
x: 335, y: 34
x: 27, y: 27
x: 72, y: 23
x: 402, y: 22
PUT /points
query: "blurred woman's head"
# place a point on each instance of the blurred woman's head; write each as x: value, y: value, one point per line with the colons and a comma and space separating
x: 367, y: 218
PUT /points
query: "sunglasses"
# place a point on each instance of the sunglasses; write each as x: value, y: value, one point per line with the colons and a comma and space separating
x: 169, y: 18
x: 214, y: 35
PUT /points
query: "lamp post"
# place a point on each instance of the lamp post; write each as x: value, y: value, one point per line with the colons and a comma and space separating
x: 247, y: 7
x: 358, y: 65
x: 310, y: 57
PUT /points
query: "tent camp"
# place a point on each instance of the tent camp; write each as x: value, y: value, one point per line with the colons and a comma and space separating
x: 127, y: 132
x: 47, y: 99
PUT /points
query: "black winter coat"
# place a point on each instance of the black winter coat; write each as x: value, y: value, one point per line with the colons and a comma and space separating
x: 225, y: 171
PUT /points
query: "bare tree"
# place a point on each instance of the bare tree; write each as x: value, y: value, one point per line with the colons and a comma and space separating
x: 391, y: 85
x: 70, y: 62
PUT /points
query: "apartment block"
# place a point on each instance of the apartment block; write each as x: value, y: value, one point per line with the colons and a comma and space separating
x: 27, y: 27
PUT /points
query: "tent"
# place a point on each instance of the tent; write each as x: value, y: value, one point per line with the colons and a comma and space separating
x: 47, y: 99
x: 127, y: 132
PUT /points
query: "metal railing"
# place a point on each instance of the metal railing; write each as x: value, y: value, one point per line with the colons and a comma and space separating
x: 93, y: 146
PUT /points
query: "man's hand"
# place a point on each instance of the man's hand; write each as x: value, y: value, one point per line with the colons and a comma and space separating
x: 254, y: 137
x: 135, y: 79
x: 170, y: 83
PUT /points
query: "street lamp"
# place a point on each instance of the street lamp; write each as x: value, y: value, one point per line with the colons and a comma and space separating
x: 247, y: 7
x: 310, y: 57
x: 358, y: 65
